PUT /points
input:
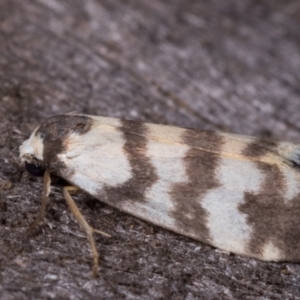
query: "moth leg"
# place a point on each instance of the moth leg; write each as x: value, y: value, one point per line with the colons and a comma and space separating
x: 45, y: 200
x: 85, y: 226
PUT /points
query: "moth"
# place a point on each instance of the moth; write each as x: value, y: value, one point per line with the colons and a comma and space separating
x: 237, y: 193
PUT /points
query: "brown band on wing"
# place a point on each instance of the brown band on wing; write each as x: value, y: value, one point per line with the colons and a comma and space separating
x: 201, y: 167
x: 143, y: 174
x: 260, y: 147
x: 271, y: 217
x: 54, y: 131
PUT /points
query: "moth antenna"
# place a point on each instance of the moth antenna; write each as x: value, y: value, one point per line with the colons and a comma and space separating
x: 45, y: 199
x: 85, y: 226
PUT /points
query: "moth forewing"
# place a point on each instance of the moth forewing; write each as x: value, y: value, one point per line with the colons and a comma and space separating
x: 238, y: 193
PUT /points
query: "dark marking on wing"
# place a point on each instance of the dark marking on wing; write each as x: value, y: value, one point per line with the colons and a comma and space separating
x: 260, y: 147
x: 201, y: 168
x: 271, y: 217
x: 54, y: 131
x: 143, y: 172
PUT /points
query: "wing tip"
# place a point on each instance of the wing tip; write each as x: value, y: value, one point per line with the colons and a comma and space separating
x: 292, y: 155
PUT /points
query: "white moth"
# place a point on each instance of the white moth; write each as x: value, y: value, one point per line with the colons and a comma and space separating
x: 238, y: 193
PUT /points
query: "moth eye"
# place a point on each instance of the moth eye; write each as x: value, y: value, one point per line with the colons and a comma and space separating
x: 34, y: 170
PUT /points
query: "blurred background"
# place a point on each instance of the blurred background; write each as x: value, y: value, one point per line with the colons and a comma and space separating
x: 222, y: 65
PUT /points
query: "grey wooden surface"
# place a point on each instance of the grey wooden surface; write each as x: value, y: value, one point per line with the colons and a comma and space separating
x: 221, y: 65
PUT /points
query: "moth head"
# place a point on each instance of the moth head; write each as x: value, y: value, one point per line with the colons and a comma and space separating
x: 50, y: 140
x: 31, y: 154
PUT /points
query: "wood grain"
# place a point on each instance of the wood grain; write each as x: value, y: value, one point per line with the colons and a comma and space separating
x: 227, y: 65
